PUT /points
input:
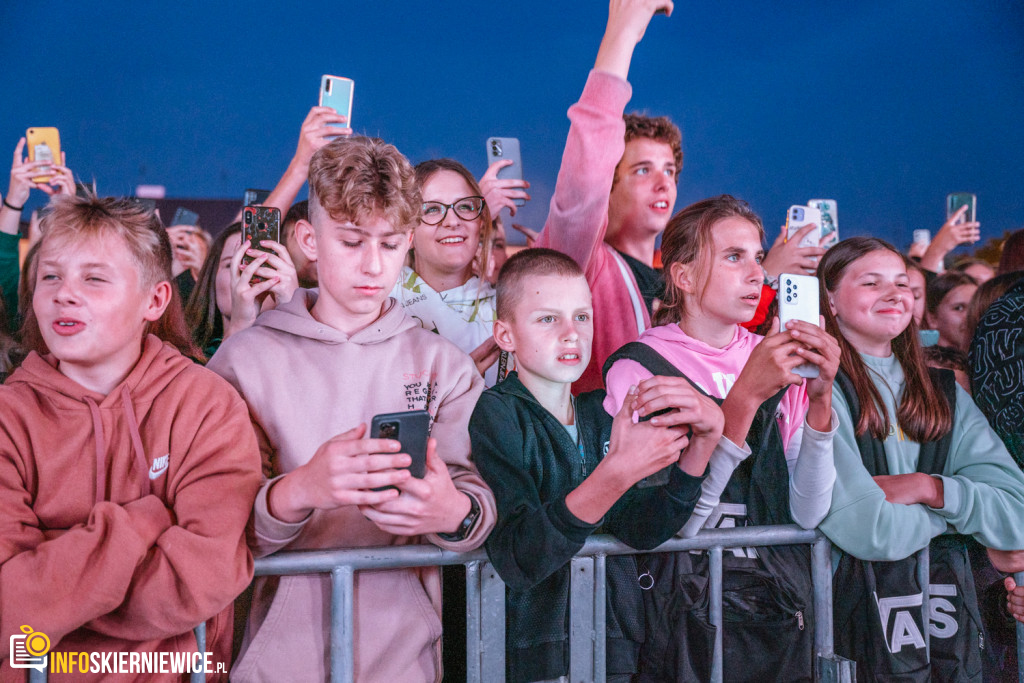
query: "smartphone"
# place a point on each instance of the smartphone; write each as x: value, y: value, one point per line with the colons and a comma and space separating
x: 185, y: 217
x: 336, y: 93
x: 829, y: 220
x: 411, y: 429
x: 798, y: 300
x: 254, y: 197
x: 145, y: 202
x: 928, y: 337
x: 260, y: 223
x: 43, y: 145
x: 922, y: 236
x: 84, y: 190
x: 800, y: 217
x: 955, y: 200
x: 506, y: 148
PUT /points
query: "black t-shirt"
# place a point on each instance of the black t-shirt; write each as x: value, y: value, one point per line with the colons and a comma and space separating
x: 650, y: 280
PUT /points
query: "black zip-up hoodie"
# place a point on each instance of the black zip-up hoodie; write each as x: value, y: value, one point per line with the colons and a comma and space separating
x: 530, y: 462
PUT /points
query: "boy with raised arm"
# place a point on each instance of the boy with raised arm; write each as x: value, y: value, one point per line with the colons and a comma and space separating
x: 127, y: 471
x: 615, y: 190
x: 314, y: 372
x: 562, y: 469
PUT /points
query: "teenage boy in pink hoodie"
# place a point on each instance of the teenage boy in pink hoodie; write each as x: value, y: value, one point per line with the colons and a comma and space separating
x: 127, y: 470
x: 615, y: 190
x: 314, y: 372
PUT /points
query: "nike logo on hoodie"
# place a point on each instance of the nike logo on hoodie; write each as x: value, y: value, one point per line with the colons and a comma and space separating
x: 159, y: 466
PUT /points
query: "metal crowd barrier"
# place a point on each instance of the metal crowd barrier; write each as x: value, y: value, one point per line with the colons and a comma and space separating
x: 485, y: 599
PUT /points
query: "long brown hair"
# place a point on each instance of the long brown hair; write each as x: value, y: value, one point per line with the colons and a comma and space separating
x: 76, y: 218
x: 923, y: 412
x: 687, y: 239
x: 201, y: 312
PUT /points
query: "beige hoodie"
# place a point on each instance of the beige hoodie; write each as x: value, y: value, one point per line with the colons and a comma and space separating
x: 122, y: 517
x: 306, y: 382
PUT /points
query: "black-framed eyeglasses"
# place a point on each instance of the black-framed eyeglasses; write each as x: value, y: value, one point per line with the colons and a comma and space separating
x: 466, y: 208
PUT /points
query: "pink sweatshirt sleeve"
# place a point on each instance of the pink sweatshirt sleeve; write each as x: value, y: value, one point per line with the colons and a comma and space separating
x: 622, y: 375
x: 578, y: 216
x: 200, y: 563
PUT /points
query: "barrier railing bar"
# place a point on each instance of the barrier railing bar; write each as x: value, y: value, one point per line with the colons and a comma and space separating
x: 492, y: 606
x: 582, y: 620
x: 342, y: 647
x: 821, y: 577
x: 200, y: 631
x: 473, y: 616
x: 715, y: 610
x: 600, y: 621
x: 924, y: 578
x: 1019, y: 579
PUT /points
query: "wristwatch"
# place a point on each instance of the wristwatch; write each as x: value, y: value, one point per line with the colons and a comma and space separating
x: 466, y: 525
x: 770, y: 281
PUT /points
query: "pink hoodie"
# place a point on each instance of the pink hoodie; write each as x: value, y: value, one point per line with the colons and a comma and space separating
x: 578, y: 218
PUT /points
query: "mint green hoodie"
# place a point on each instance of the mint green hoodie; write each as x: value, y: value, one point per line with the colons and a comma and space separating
x: 983, y: 488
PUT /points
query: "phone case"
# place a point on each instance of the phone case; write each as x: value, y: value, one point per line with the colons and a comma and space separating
x: 829, y: 219
x: 260, y: 223
x: 43, y: 145
x: 799, y: 217
x: 411, y: 429
x: 183, y: 216
x: 798, y: 300
x: 955, y: 200
x: 506, y: 148
x: 336, y: 93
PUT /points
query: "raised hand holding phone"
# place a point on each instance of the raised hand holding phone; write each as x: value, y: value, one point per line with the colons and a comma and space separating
x: 503, y: 185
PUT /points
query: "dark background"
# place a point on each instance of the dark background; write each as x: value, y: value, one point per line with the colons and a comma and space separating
x: 884, y: 106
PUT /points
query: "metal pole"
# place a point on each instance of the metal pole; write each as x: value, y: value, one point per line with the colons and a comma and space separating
x: 1019, y: 580
x: 581, y: 620
x: 600, y: 622
x: 200, y: 631
x: 821, y: 576
x: 924, y: 577
x: 342, y: 651
x: 473, y: 672
x: 492, y: 625
x: 715, y: 560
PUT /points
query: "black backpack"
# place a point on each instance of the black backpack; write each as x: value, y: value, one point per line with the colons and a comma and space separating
x: 767, y: 601
x: 878, y: 620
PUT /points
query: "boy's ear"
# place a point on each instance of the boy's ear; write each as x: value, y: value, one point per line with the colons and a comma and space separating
x: 159, y: 298
x: 681, y: 275
x: 305, y: 237
x: 503, y: 336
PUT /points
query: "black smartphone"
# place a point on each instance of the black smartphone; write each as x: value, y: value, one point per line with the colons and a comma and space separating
x: 183, y: 216
x: 253, y: 197
x: 411, y: 429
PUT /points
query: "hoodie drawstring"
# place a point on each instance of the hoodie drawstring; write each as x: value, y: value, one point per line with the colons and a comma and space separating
x: 101, y: 446
x: 140, y: 452
x: 101, y: 450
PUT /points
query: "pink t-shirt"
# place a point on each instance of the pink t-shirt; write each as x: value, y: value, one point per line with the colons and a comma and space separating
x: 713, y: 370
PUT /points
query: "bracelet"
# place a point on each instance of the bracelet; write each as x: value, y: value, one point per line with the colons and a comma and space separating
x: 12, y: 207
x: 466, y: 525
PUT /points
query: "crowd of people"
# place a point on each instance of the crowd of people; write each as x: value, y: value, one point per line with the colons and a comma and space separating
x: 177, y: 404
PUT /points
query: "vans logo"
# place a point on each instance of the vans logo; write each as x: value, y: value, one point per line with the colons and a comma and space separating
x: 900, y: 617
x: 159, y: 466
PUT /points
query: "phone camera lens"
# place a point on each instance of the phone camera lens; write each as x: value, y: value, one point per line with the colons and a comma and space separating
x: 389, y: 430
x: 789, y: 299
x: 248, y: 218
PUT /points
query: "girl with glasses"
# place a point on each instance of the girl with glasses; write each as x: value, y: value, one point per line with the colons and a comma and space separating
x: 439, y: 290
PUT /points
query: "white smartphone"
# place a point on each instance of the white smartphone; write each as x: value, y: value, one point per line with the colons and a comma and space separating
x: 800, y: 217
x: 336, y: 93
x: 798, y: 300
x: 923, y: 236
x: 829, y: 220
x: 506, y: 148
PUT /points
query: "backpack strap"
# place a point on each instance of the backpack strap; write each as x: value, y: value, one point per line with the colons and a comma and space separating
x: 871, y: 450
x: 932, y: 459
x: 653, y: 362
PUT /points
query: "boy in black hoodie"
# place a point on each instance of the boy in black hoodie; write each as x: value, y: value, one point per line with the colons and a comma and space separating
x: 561, y: 469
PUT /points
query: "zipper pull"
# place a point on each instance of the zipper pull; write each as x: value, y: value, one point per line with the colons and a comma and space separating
x: 800, y: 620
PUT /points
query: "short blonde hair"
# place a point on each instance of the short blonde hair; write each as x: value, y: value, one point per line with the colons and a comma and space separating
x: 351, y: 178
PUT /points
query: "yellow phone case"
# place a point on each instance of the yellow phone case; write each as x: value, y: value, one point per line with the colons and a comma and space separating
x: 43, y: 144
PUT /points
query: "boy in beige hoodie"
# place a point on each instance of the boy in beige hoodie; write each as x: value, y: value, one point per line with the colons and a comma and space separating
x: 314, y: 372
x: 127, y: 471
